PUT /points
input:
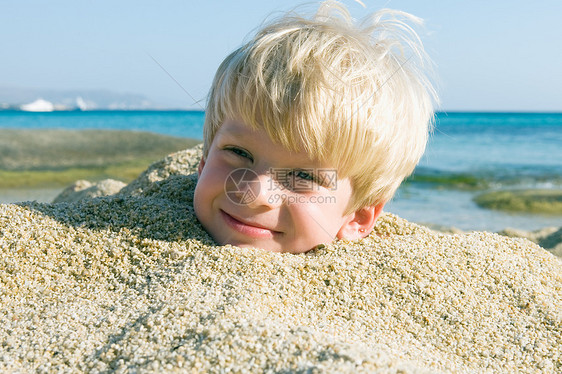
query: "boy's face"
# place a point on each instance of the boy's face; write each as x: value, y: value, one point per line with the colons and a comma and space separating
x: 252, y: 192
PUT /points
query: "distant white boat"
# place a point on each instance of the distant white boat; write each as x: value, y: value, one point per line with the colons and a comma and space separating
x: 81, y: 104
x: 38, y: 105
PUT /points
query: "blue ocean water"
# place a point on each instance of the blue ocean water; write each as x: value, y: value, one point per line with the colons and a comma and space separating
x: 503, y: 147
x: 468, y: 153
x: 187, y: 124
x: 471, y: 153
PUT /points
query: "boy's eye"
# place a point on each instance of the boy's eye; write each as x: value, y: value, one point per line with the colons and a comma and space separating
x: 241, y: 152
x: 309, y: 177
x: 299, y: 180
x: 304, y: 175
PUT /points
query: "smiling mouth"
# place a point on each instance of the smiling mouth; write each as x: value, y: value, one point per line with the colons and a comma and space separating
x: 249, y: 229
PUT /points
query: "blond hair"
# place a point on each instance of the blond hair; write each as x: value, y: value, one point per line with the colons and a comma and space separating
x: 351, y: 95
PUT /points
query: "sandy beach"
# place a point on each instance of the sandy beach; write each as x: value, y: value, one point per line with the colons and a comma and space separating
x: 132, y: 282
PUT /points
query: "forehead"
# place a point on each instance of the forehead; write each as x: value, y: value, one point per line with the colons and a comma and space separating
x: 236, y: 128
x: 257, y: 140
x: 240, y: 130
x: 293, y: 140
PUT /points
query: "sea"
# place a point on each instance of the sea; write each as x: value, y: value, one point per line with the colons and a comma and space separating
x: 468, y: 154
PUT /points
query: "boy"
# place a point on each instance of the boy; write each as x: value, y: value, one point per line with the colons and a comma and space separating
x: 310, y: 128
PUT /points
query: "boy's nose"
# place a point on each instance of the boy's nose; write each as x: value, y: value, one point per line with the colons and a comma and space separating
x: 269, y: 194
x: 247, y: 187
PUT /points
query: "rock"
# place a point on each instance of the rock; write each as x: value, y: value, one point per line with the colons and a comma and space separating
x: 550, y: 238
x: 83, y: 189
x: 183, y: 162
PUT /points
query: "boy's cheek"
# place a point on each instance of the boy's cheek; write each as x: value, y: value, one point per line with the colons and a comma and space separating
x: 201, y: 205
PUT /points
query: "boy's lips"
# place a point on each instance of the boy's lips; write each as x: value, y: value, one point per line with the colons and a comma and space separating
x: 248, y: 228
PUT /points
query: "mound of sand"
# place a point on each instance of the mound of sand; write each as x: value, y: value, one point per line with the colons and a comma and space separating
x: 131, y: 282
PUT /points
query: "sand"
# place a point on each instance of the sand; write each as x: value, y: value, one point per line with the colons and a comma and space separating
x: 131, y: 282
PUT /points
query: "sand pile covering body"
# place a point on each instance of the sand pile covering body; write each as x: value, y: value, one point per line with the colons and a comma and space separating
x: 132, y: 282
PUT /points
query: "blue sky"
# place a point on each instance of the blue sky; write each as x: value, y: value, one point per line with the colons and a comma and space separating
x: 489, y: 55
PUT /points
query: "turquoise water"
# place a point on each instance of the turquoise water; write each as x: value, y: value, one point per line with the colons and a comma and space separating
x: 470, y: 153
x: 504, y: 148
x: 467, y: 154
x: 188, y: 124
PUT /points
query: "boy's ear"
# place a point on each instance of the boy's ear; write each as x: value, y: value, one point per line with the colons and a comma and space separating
x: 360, y: 223
x: 201, y: 166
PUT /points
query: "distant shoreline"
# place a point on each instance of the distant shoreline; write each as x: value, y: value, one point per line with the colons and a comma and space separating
x: 48, y: 159
x: 17, y: 195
